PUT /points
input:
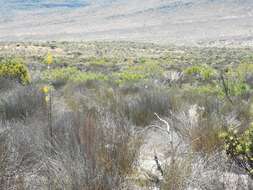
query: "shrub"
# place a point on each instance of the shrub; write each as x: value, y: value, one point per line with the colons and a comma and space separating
x: 21, y: 103
x: 207, y: 89
x: 7, y: 84
x: 48, y: 59
x: 4, y: 154
x: 243, y: 69
x: 205, y: 139
x: 200, y: 129
x: 239, y: 147
x: 150, y: 68
x: 60, y: 76
x: 15, y: 69
x: 204, y: 71
x: 225, y: 88
x: 135, y: 73
x: 141, y: 109
x: 128, y: 77
x: 101, y: 61
x: 16, y: 154
x: 232, y: 84
x: 176, y: 174
x: 101, y: 149
x: 88, y: 76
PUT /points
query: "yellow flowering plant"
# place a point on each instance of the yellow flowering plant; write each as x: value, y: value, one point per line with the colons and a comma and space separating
x: 48, y: 59
x: 47, y: 98
x: 45, y: 89
x: 15, y: 69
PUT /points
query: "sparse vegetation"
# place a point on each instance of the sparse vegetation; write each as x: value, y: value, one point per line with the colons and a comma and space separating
x: 117, y: 116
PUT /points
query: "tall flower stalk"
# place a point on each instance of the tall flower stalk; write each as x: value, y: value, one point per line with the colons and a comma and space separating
x: 48, y: 98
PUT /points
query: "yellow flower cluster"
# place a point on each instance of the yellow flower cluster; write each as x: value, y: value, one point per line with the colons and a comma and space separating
x: 46, y: 90
x: 49, y: 59
x: 15, y: 69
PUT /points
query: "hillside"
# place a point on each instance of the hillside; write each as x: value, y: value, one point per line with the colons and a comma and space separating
x: 181, y: 22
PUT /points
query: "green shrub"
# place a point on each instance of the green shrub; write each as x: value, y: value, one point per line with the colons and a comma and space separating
x: 135, y: 73
x: 101, y: 61
x: 61, y: 76
x: 88, y: 76
x: 232, y: 85
x: 15, y: 69
x: 204, y: 71
x: 126, y: 77
x: 240, y: 147
x: 238, y: 88
x: 208, y: 89
x: 149, y: 68
x: 243, y: 69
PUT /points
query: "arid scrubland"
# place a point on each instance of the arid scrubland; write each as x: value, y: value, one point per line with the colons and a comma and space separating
x: 123, y: 115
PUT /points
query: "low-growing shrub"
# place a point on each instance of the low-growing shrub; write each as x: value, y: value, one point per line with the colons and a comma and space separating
x: 224, y: 89
x: 204, y: 71
x: 7, y: 84
x: 207, y: 89
x: 233, y: 87
x: 128, y: 77
x: 60, y: 76
x: 101, y: 61
x: 239, y: 147
x: 88, y: 76
x: 135, y: 73
x: 98, y: 150
x: 244, y: 69
x: 15, y: 69
x: 176, y: 174
x: 149, y: 68
x: 205, y: 139
x: 21, y: 103
x: 140, y: 110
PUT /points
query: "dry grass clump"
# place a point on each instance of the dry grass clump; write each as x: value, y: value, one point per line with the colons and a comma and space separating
x: 7, y: 84
x: 90, y: 149
x: 176, y: 174
x: 19, y: 155
x: 204, y: 136
x: 137, y: 104
x: 110, y: 148
x: 21, y: 102
x: 205, y: 139
x: 140, y: 110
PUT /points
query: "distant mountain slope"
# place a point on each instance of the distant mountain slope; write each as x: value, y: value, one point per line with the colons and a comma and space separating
x: 162, y: 21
